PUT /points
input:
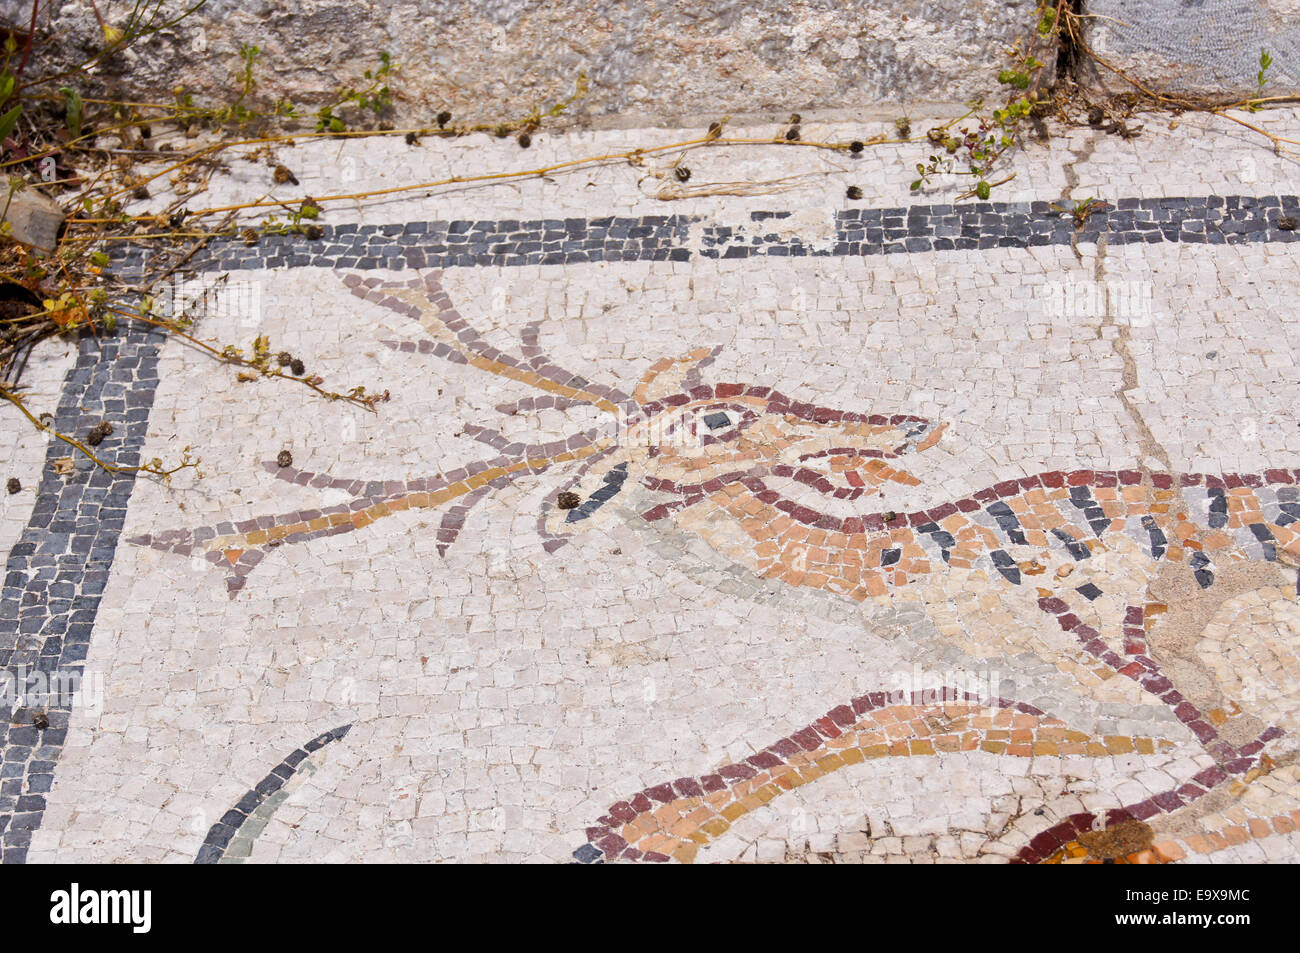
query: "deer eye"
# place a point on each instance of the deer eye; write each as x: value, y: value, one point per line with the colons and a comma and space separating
x: 717, y: 421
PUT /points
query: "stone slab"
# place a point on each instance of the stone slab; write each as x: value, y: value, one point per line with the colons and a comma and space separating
x: 650, y: 62
x: 1198, y: 46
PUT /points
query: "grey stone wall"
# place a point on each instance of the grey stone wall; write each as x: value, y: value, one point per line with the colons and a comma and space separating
x: 1199, y: 46
x: 669, y: 61
x: 660, y: 61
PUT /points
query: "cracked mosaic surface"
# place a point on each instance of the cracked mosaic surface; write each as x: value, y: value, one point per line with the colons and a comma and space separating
x: 941, y: 533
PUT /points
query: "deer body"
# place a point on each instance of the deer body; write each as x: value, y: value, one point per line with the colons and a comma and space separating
x: 1051, y: 520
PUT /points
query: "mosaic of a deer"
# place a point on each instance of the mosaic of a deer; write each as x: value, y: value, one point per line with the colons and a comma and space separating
x: 670, y: 426
x: 773, y: 484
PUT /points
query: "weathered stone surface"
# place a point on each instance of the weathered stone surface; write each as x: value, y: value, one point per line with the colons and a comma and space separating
x: 33, y: 218
x: 1198, y: 46
x: 661, y: 61
x: 397, y: 647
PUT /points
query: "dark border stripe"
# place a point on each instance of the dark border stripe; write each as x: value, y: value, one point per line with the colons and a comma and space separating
x: 1213, y: 220
x: 224, y: 831
x: 56, y: 572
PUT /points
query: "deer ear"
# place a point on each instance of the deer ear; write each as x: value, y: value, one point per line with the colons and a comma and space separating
x: 672, y: 375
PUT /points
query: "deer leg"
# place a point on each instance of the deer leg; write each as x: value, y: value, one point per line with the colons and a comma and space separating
x: 1144, y: 670
x: 671, y: 820
x: 1135, y: 663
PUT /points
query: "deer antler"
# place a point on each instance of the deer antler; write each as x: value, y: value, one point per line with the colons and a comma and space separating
x: 425, y: 300
x: 240, y: 547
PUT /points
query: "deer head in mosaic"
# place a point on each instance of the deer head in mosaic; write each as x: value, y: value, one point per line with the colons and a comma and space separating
x: 684, y: 443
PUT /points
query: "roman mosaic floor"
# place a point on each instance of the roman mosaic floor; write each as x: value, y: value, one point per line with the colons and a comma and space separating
x: 734, y: 520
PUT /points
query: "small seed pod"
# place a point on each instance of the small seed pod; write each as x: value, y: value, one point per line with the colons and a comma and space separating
x: 568, y: 500
x: 524, y: 140
x: 792, y: 134
x: 411, y: 140
x: 250, y: 236
x: 683, y: 174
x: 139, y: 192
x: 856, y: 146
x: 298, y: 367
x: 284, y: 459
x: 889, y: 516
x: 284, y: 359
x: 40, y: 720
x: 98, y: 433
x: 1095, y: 115
x: 795, y: 119
x: 444, y: 117
x: 281, y: 175
x: 853, y: 192
x: 1286, y: 224
x: 313, y: 232
x: 14, y: 486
